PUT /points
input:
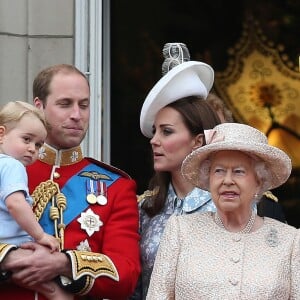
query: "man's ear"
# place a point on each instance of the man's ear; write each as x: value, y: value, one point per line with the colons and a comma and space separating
x: 38, y: 103
x: 199, y: 141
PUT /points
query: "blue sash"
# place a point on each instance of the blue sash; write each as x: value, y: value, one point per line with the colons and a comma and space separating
x: 75, y: 191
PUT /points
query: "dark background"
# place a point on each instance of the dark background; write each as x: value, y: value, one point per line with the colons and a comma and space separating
x: 139, y: 30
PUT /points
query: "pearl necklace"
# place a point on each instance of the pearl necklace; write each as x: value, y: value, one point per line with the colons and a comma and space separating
x: 246, y: 229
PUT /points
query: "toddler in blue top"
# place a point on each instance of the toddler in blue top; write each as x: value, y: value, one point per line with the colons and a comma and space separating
x: 22, y: 133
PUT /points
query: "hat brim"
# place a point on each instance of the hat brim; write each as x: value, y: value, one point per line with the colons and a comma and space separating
x: 190, y: 78
x: 277, y: 161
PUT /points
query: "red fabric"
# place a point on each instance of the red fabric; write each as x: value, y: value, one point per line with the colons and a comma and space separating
x: 118, y: 237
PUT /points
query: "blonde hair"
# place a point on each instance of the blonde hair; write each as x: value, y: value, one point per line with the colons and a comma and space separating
x: 13, y: 111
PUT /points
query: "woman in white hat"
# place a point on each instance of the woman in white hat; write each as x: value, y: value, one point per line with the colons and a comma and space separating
x: 174, y: 117
x: 231, y: 253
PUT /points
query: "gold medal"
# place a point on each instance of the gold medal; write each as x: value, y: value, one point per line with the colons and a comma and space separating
x: 91, y: 198
x: 101, y: 200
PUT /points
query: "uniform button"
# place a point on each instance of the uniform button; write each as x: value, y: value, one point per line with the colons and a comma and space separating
x: 56, y: 175
x: 235, y: 259
x: 233, y: 281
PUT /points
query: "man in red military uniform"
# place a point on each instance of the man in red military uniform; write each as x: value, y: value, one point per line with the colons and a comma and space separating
x: 90, y: 206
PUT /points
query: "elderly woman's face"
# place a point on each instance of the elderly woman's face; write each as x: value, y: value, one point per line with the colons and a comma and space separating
x: 233, y: 181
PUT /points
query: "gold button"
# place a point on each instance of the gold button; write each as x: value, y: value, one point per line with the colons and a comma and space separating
x: 56, y: 175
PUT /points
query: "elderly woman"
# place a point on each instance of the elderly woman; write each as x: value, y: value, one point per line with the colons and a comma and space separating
x: 233, y: 253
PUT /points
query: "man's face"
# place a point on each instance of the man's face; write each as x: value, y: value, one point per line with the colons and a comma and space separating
x: 67, y: 110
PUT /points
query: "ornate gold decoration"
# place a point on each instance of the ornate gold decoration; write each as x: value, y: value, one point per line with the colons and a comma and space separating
x: 42, y: 194
x: 271, y: 196
x: 261, y: 87
x: 63, y: 157
x: 91, y: 264
x: 147, y: 194
x: 94, y: 175
x: 4, y: 249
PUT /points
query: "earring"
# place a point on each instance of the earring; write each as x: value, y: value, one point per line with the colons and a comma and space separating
x: 256, y: 197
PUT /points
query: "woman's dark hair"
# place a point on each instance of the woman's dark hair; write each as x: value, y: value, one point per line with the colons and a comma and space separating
x: 198, y: 116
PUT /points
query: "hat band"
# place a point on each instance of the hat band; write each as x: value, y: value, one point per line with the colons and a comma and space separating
x: 211, y: 136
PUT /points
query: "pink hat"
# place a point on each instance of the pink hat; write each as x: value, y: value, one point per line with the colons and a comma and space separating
x: 240, y: 137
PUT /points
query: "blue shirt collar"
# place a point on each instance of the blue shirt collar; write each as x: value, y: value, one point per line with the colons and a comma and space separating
x: 192, y: 201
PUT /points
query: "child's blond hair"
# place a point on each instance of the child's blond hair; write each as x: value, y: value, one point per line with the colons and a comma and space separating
x: 13, y: 111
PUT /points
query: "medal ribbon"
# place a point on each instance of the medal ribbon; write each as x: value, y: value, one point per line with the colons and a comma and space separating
x: 75, y: 191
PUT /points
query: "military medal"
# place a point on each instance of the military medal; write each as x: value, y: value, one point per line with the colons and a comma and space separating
x: 101, y: 200
x: 91, y: 198
x: 101, y: 188
x: 96, y: 192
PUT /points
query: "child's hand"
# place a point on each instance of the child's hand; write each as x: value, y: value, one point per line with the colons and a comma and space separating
x: 49, y: 241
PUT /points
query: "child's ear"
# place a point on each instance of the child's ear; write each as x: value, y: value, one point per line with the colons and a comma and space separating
x: 2, y: 132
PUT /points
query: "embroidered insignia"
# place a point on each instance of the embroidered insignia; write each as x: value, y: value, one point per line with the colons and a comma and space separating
x: 74, y: 156
x: 94, y: 175
x: 64, y: 157
x: 90, y: 222
x: 42, y: 153
x: 84, y: 246
x: 272, y: 238
x: 91, y: 264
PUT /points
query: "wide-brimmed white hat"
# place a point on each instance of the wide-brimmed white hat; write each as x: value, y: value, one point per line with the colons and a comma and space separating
x: 191, y: 78
x: 240, y: 137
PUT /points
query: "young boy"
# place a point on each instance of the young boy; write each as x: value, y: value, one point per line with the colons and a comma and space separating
x: 22, y: 133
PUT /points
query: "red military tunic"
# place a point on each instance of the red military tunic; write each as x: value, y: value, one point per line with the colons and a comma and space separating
x: 109, y: 228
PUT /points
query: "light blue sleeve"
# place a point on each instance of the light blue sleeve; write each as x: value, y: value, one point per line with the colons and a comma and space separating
x: 13, y: 178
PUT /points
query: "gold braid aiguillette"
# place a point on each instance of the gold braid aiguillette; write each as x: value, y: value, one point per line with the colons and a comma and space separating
x: 42, y: 194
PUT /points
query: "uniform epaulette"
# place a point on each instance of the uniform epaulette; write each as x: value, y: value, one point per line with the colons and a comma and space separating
x: 147, y: 194
x: 271, y: 196
x: 109, y: 167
